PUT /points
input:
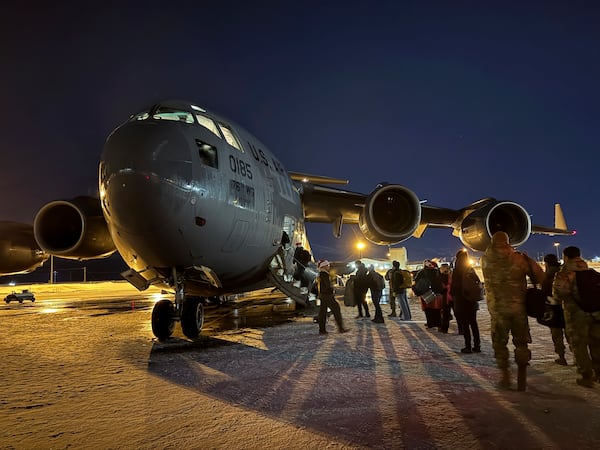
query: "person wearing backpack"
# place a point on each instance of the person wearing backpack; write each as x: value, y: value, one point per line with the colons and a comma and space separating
x: 582, y: 328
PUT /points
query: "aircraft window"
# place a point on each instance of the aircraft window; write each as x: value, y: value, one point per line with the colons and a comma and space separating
x: 230, y: 137
x: 208, y: 123
x: 207, y: 153
x: 163, y: 113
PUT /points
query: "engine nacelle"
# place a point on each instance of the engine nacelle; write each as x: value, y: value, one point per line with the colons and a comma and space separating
x: 73, y: 229
x: 391, y: 214
x: 19, y: 253
x: 477, y: 228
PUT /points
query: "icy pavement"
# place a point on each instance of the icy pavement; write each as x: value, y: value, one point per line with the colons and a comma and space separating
x: 78, y: 378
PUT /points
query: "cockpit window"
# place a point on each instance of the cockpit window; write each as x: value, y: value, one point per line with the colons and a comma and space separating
x: 166, y: 113
x: 208, y: 123
x: 230, y: 136
x: 140, y: 116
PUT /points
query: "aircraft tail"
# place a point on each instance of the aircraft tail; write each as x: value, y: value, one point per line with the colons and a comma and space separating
x: 559, y: 218
x: 560, y: 225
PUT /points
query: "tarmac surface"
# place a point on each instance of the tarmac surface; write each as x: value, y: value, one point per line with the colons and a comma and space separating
x: 81, y: 369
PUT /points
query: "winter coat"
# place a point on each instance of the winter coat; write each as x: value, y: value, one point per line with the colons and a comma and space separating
x: 505, y: 274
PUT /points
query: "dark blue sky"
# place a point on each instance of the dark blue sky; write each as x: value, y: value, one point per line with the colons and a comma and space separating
x: 456, y: 100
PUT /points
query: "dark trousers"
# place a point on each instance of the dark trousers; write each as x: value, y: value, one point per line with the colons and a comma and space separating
x: 334, y: 306
x: 433, y: 318
x: 467, y: 317
x: 361, y: 302
x: 376, y: 297
x: 445, y: 324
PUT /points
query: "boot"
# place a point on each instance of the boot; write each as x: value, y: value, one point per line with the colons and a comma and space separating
x: 586, y: 380
x: 561, y: 360
x: 504, y: 382
x: 393, y: 313
x: 522, y: 378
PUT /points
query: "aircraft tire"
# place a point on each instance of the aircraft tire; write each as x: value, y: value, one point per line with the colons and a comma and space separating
x: 192, y: 317
x: 162, y: 319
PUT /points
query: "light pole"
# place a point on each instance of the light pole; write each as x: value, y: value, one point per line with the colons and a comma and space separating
x: 557, y: 244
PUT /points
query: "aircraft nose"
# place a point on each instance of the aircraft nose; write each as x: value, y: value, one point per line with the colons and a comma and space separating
x: 145, y: 175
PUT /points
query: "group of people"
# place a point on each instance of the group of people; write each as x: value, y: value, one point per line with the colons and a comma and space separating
x: 447, y: 293
x: 506, y: 273
x: 366, y: 279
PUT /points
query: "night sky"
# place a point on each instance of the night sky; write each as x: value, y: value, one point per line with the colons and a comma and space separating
x: 456, y: 100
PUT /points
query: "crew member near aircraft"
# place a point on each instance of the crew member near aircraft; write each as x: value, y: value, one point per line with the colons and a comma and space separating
x: 504, y: 272
x: 582, y: 328
x: 324, y: 290
x: 302, y: 257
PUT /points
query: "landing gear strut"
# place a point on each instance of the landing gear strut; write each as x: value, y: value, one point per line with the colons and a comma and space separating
x: 190, y: 311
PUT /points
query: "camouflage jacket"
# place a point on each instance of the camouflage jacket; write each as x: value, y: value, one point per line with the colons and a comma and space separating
x: 564, y: 288
x: 504, y: 273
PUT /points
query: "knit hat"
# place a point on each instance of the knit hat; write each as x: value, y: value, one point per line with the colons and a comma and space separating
x: 323, y: 264
x: 429, y: 264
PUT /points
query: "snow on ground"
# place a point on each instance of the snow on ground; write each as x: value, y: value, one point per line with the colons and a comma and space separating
x: 92, y: 378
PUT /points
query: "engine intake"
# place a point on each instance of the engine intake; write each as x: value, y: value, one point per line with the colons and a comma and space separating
x: 477, y: 228
x: 73, y: 229
x: 390, y: 215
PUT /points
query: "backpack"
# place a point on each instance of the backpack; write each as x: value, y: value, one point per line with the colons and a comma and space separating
x: 401, y: 279
x: 406, y: 279
x: 471, y: 287
x: 378, y: 281
x: 588, y: 285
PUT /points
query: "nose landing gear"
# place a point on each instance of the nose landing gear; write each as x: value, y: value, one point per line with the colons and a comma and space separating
x: 189, y: 311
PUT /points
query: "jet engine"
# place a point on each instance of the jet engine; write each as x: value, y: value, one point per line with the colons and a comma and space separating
x: 390, y: 215
x: 19, y: 253
x: 73, y: 229
x: 477, y: 228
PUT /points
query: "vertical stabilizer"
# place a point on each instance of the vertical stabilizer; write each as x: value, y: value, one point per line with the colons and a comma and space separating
x: 559, y: 218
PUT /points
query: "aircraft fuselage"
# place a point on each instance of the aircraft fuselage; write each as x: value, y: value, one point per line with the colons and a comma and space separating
x: 184, y: 188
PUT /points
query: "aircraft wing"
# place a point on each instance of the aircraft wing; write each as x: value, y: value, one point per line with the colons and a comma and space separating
x: 392, y: 213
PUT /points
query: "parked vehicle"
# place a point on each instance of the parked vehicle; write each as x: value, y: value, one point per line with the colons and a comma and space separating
x: 20, y: 296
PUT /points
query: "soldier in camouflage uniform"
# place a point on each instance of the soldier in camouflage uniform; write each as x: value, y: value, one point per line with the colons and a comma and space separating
x: 504, y: 273
x: 582, y: 328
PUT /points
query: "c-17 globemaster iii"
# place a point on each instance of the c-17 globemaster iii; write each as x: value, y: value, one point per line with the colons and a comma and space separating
x: 194, y: 202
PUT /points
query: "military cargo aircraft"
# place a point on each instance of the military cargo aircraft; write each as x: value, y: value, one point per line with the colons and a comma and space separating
x: 194, y: 202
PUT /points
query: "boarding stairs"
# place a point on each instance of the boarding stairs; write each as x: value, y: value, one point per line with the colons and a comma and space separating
x: 281, y: 272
